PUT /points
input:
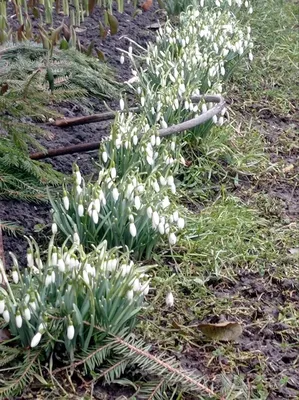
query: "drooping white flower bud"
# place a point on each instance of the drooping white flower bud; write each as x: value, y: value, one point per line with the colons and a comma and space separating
x: 181, y: 223
x: 27, y: 314
x: 80, y: 210
x: 115, y: 194
x: 61, y: 264
x: 95, y: 216
x: 36, y: 339
x: 15, y: 276
x: 169, y: 300
x: 121, y: 104
x: 122, y: 58
x: 149, y: 212
x: 133, y: 230
x: 70, y: 332
x: 104, y: 157
x: 136, y: 285
x: 30, y: 262
x: 66, y: 202
x: 19, y: 320
x: 54, y: 228
x: 175, y: 216
x: 137, y: 202
x: 48, y: 279
x: 78, y: 177
x: 113, y: 173
x: 161, y: 228
x: 6, y: 315
x: 2, y: 306
x: 76, y: 238
x: 172, y: 239
x: 155, y: 219
x: 130, y: 295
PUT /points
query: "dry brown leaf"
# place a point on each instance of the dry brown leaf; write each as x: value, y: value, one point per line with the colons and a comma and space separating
x: 288, y: 168
x: 226, y: 331
x: 4, y: 335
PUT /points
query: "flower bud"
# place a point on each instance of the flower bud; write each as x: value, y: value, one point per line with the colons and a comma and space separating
x: 6, y: 315
x: 27, y: 314
x: 133, y: 230
x: 66, y: 202
x: 80, y: 210
x: 54, y: 228
x: 36, y: 339
x: 130, y: 295
x: 19, y: 320
x: 104, y: 157
x: 169, y: 299
x: 2, y: 306
x: 70, y: 332
x: 122, y: 58
x: 172, y: 239
x: 15, y: 276
x: 181, y: 223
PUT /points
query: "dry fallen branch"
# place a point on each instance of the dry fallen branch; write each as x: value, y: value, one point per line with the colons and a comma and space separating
x: 172, y: 130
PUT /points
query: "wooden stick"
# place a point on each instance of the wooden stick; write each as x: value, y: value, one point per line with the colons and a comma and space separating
x: 172, y: 130
x: 65, y: 122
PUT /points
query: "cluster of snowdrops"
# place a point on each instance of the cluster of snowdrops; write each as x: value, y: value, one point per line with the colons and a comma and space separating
x: 91, y: 275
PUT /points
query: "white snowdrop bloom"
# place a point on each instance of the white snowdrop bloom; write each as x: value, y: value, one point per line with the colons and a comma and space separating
x: 122, y: 58
x: 165, y: 202
x: 104, y: 157
x: 80, y: 210
x: 156, y: 186
x: 161, y: 228
x: 97, y: 204
x: 225, y: 52
x: 85, y: 277
x: 36, y: 339
x: 66, y: 202
x: 2, y: 306
x: 222, y: 71
x: 250, y: 56
x: 181, y: 223
x: 167, y: 228
x: 27, y: 314
x: 136, y: 285
x: 163, y: 123
x: 48, y: 279
x: 153, y: 140
x: 54, y: 228
x: 142, y: 101
x: 155, y: 219
x: 175, y: 216
x: 186, y: 105
x: 19, y: 320
x: 113, y: 173
x: 73, y: 262
x: 70, y: 332
x: 158, y: 141
x: 169, y: 300
x: 130, y: 50
x: 145, y: 288
x: 78, y: 190
x: 139, y: 90
x: 6, y: 315
x: 170, y: 180
x: 32, y: 304
x: 220, y: 121
x: 149, y: 212
x: 76, y: 238
x: 246, y: 4
x: 202, y: 3
x: 162, y: 180
x: 133, y: 230
x: 137, y: 202
x: 15, y: 276
x: 215, y: 119
x: 30, y: 261
x: 135, y: 140
x: 172, y: 239
x: 61, y: 265
x: 130, y: 295
x: 149, y: 160
x: 121, y: 104
x: 173, y: 189
x: 78, y: 177
x: 95, y: 216
x: 118, y: 142
x: 129, y: 191
x: 115, y: 194
x: 53, y: 276
x: 176, y: 104
x: 191, y: 106
x: 172, y: 145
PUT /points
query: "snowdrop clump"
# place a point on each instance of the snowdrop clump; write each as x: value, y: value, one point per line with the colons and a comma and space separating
x: 188, y: 60
x: 52, y: 298
x: 132, y: 211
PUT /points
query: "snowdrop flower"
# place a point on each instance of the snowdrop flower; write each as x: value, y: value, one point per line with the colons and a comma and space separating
x: 145, y: 288
x: 163, y: 124
x: 61, y: 264
x: 169, y: 300
x: 156, y: 186
x: 97, y: 204
x: 78, y: 190
x: 142, y: 101
x: 15, y: 276
x: 135, y: 140
x: 250, y: 10
x: 54, y: 228
x: 133, y: 230
x: 48, y: 279
x: 181, y: 223
x: 165, y: 202
x: 95, y: 216
x: 76, y: 238
x: 137, y: 202
x: 175, y: 216
x: 19, y: 320
x: 30, y: 261
x: 53, y: 276
x: 121, y: 104
x: 78, y: 177
x: 6, y: 316
x: 70, y: 332
x: 80, y: 210
x: 104, y: 157
x: 115, y: 194
x: 162, y: 180
x: 66, y: 202
x: 170, y: 180
x: 172, y: 239
x: 113, y: 173
x: 122, y: 58
x: 130, y: 295
x: 155, y: 219
x: 27, y: 314
x: 161, y: 228
x: 214, y: 119
x: 220, y: 121
x: 149, y: 212
x: 36, y: 339
x: 250, y: 56
x: 2, y: 306
x: 136, y: 285
x: 85, y: 277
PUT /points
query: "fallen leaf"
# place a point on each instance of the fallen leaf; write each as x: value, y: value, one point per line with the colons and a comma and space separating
x: 288, y: 168
x: 226, y: 331
x: 80, y: 30
x: 147, y: 5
